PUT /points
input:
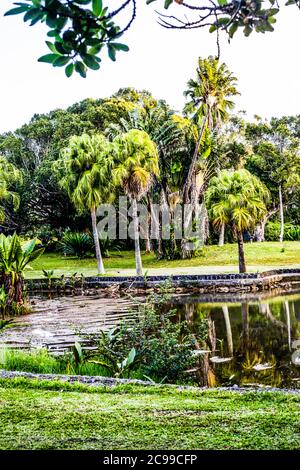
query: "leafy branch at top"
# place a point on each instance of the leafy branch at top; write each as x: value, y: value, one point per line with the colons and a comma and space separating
x: 80, y: 29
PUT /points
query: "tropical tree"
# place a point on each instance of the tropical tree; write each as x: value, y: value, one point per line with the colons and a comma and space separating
x: 135, y: 165
x: 85, y: 164
x: 238, y: 199
x: 208, y: 105
x: 14, y: 258
x: 9, y: 176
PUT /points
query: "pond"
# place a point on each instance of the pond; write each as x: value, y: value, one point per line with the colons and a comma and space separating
x: 253, y: 340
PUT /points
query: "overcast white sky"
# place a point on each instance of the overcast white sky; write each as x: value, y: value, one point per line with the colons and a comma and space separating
x: 267, y: 67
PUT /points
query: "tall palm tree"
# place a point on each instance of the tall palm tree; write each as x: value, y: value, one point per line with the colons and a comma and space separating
x: 85, y: 166
x: 135, y: 164
x: 208, y: 104
x: 9, y: 175
x: 237, y: 198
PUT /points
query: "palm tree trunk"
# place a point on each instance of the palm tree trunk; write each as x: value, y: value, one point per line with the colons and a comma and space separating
x: 242, y: 263
x: 138, y: 259
x: 281, y: 215
x: 189, y: 180
x: 100, y: 265
x: 221, y: 235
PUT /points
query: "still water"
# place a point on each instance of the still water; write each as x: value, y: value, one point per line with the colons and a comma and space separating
x: 251, y: 340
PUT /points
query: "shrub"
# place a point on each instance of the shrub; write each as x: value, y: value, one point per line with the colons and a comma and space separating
x: 77, y: 244
x: 164, y: 347
x: 48, y: 236
x: 291, y: 232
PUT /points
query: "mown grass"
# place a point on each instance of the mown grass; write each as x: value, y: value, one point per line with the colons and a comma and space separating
x: 45, y: 415
x: 259, y: 256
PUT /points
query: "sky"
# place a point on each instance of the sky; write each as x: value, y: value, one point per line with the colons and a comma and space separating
x: 161, y: 61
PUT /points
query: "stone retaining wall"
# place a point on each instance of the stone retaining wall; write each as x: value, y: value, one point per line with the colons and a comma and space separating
x: 201, y: 283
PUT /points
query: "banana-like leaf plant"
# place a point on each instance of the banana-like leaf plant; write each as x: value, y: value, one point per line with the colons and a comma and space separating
x: 14, y: 259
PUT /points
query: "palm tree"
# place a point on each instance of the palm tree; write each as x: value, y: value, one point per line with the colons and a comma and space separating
x: 85, y: 165
x: 237, y: 198
x: 208, y: 104
x: 9, y: 175
x: 135, y: 164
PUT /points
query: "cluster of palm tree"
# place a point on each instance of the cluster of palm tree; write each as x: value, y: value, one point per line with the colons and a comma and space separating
x: 92, y: 169
x: 136, y: 155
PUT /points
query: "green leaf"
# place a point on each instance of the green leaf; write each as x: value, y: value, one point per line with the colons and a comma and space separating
x: 222, y: 2
x: 61, y: 61
x: 97, y: 7
x: 233, y: 28
x: 111, y: 52
x: 168, y: 3
x: 120, y: 47
x: 80, y: 68
x: 51, y: 47
x: 69, y: 70
x: 131, y: 357
x: 213, y: 28
x: 91, y: 61
x: 16, y: 11
x: 49, y: 58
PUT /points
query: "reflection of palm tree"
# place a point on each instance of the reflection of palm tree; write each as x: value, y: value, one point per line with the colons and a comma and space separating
x: 228, y: 329
x: 265, y: 309
x: 288, y: 322
x: 245, y: 319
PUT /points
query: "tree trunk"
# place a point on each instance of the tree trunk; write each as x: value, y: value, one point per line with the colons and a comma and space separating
x: 221, y: 235
x: 189, y: 180
x: 242, y: 263
x: 100, y: 265
x: 281, y: 215
x: 259, y: 232
x: 138, y: 259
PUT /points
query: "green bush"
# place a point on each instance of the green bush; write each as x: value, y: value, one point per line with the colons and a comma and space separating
x: 291, y: 232
x: 48, y: 236
x: 77, y: 244
x: 164, y: 347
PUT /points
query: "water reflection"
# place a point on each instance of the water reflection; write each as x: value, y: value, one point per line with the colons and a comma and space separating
x: 253, y: 342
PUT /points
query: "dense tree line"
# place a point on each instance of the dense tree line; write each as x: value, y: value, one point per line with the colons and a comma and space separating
x: 194, y: 149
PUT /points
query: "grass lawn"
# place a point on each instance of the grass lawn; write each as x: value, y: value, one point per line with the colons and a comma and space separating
x: 45, y: 415
x: 214, y: 259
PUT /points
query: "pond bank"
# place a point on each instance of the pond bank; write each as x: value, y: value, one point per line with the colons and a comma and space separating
x: 210, y: 283
x: 110, y: 382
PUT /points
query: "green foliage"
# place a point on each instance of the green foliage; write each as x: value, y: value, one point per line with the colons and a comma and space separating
x: 135, y: 162
x: 14, y: 258
x: 79, y: 33
x: 291, y: 232
x: 236, y: 198
x: 160, y: 347
x: 47, y: 236
x: 77, y: 244
x: 80, y: 29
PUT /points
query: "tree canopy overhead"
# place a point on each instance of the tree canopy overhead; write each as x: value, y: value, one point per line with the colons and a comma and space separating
x: 80, y: 29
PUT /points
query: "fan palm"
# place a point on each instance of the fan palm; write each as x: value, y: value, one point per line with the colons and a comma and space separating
x: 85, y: 165
x: 135, y: 164
x: 237, y: 198
x: 208, y: 104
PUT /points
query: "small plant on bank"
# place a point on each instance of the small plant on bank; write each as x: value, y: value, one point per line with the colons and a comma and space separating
x: 14, y: 259
x: 77, y: 244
